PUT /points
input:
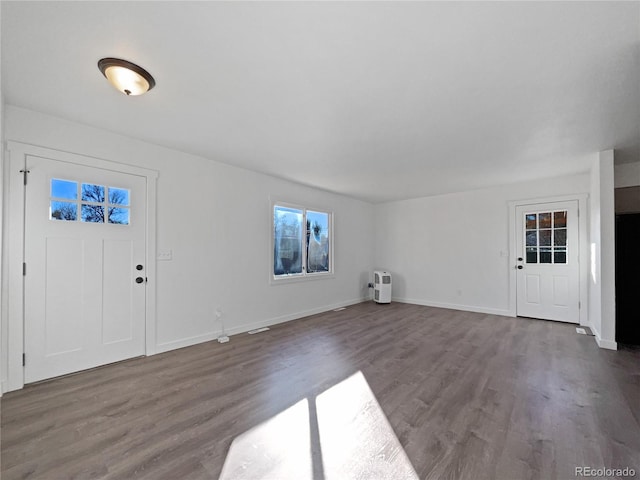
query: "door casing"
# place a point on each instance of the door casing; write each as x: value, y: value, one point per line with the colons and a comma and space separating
x: 13, y: 254
x: 583, y: 249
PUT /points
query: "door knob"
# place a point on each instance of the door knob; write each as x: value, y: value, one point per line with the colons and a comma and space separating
x: 519, y: 267
x: 139, y: 267
x: 519, y: 259
x: 139, y: 280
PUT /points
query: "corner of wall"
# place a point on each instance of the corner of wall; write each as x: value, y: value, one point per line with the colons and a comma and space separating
x: 608, y: 344
x: 2, y: 349
x: 602, y: 250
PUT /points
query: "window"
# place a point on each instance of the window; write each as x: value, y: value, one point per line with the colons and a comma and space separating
x: 89, y: 203
x: 302, y: 242
x: 546, y: 237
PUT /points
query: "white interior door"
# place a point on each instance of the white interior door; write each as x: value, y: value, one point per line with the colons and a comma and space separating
x: 85, y: 280
x: 548, y: 269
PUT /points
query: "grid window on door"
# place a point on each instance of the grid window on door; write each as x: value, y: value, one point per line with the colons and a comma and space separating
x: 546, y: 237
x: 88, y: 202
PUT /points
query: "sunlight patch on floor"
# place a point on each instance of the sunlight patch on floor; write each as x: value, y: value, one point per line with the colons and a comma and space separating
x: 342, y: 433
x: 356, y: 437
x: 278, y: 448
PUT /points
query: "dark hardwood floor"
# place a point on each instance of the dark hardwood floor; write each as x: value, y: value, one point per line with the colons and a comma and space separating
x: 373, y: 391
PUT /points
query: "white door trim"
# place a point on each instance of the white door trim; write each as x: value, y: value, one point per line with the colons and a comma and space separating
x: 13, y: 254
x: 583, y: 249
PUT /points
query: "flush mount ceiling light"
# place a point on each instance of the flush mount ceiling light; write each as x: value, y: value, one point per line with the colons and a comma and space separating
x: 127, y: 77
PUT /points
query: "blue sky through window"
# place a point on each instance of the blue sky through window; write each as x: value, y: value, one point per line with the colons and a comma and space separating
x: 64, y: 189
x: 118, y: 196
x: 98, y: 209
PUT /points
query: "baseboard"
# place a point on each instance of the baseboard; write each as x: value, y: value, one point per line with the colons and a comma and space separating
x: 293, y: 316
x: 185, y: 342
x: 608, y: 344
x: 455, y: 306
x: 207, y: 337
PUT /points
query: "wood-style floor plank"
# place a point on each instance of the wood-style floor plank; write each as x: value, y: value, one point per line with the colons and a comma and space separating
x: 373, y: 391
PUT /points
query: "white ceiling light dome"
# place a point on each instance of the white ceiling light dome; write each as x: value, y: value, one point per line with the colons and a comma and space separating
x: 125, y: 76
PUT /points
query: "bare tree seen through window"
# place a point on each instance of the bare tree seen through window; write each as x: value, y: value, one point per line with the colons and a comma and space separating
x: 64, y: 211
x: 88, y: 202
x: 91, y: 212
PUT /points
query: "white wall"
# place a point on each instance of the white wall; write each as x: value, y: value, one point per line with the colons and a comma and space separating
x: 216, y: 220
x: 608, y: 249
x: 447, y: 250
x: 595, y: 282
x: 2, y: 335
x: 627, y: 175
x: 452, y: 250
x: 602, y: 237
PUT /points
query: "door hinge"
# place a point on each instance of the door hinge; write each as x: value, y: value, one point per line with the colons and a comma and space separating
x: 24, y: 359
x: 24, y: 172
x: 579, y: 305
x: 24, y: 268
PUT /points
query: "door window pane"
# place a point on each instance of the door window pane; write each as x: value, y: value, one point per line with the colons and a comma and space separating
x: 544, y: 220
x: 530, y: 220
x: 545, y: 255
x: 560, y: 219
x: 288, y: 233
x: 92, y: 213
x: 118, y: 196
x: 119, y: 216
x: 92, y: 205
x: 545, y: 238
x: 63, y: 211
x: 559, y: 255
x: 548, y: 232
x: 65, y: 189
x: 92, y: 193
x: 560, y: 237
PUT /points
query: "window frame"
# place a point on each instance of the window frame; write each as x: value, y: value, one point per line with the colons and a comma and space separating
x: 304, y: 275
x: 552, y: 248
x: 79, y: 202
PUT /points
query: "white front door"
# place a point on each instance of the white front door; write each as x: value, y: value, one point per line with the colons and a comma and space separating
x: 548, y: 270
x: 85, y: 279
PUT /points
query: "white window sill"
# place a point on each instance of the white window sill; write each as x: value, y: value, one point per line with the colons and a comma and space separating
x: 288, y: 279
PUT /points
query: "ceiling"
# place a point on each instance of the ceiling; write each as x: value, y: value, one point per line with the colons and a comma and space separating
x: 379, y: 101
